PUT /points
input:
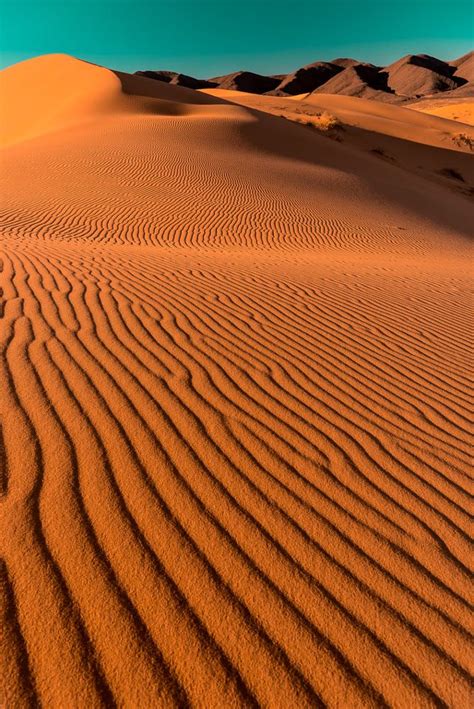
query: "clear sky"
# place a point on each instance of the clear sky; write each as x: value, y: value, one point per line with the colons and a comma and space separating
x: 208, y: 37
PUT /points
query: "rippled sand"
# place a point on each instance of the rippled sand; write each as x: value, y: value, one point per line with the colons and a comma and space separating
x: 236, y: 393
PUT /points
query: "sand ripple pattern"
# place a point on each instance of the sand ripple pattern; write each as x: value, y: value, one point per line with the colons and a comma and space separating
x: 236, y: 453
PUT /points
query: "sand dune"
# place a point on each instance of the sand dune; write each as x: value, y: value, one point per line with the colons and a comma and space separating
x: 428, y: 146
x: 236, y: 403
x: 461, y: 110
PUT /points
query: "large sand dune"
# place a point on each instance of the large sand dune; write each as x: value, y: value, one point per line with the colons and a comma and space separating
x: 236, y: 394
x: 435, y: 148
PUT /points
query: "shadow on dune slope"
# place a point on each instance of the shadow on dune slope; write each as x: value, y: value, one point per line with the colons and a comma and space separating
x: 68, y: 92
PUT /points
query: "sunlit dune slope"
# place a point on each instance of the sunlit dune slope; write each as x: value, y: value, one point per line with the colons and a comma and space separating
x: 359, y: 112
x: 432, y: 147
x: 55, y: 92
x: 461, y: 110
x: 388, y: 119
x: 235, y: 407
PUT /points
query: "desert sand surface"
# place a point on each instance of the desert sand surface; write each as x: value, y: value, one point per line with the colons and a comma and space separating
x: 432, y: 147
x: 236, y: 403
x: 460, y: 109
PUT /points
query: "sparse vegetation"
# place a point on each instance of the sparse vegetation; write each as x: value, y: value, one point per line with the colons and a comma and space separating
x: 323, y: 121
x: 326, y: 122
x: 464, y: 140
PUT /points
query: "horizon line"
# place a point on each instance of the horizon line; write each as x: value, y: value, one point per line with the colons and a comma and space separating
x: 241, y: 69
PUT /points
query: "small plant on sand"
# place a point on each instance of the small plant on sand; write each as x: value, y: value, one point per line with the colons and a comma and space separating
x: 323, y: 122
x: 463, y: 140
x: 327, y: 122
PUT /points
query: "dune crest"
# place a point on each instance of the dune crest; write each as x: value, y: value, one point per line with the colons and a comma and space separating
x: 55, y: 92
x: 52, y: 92
x: 235, y: 405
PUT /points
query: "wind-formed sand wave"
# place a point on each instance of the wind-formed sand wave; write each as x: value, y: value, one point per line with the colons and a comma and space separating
x: 236, y: 392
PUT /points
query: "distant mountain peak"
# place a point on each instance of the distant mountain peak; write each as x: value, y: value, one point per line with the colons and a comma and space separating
x: 411, y: 76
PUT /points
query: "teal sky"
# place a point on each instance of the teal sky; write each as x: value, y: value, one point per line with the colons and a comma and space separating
x: 206, y: 37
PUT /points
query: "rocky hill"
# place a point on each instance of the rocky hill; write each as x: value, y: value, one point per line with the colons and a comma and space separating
x: 411, y: 77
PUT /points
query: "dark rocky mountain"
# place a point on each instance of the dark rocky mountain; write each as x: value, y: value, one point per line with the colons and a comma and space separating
x: 464, y: 91
x: 307, y: 78
x: 364, y: 80
x: 464, y: 67
x: 345, y: 62
x: 421, y: 75
x: 411, y: 77
x: 246, y: 81
x: 172, y: 77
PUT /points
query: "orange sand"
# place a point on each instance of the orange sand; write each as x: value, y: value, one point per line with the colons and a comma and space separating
x: 461, y: 110
x: 236, y: 401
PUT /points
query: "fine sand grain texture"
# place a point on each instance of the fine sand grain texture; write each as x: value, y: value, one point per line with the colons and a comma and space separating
x: 236, y: 406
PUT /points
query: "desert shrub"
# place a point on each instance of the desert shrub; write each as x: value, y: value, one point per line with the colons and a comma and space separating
x: 462, y: 139
x: 326, y: 122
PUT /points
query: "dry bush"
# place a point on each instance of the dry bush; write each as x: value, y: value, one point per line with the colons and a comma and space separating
x: 326, y: 121
x: 464, y: 140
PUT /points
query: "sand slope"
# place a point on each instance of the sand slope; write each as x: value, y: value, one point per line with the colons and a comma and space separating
x: 236, y: 401
x: 429, y: 146
x: 461, y: 110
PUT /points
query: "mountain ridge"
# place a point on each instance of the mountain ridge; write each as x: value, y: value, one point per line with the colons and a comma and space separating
x: 411, y: 77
